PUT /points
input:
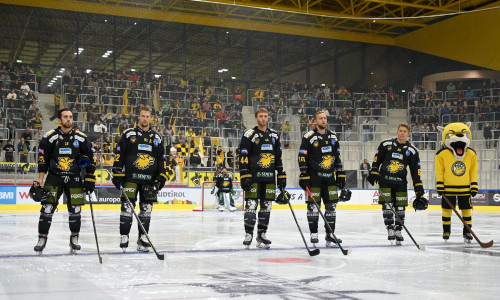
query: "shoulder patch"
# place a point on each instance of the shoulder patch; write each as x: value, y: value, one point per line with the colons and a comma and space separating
x: 387, y: 142
x: 127, y: 130
x: 49, y: 132
x: 249, y: 133
x: 308, y: 134
x: 81, y: 133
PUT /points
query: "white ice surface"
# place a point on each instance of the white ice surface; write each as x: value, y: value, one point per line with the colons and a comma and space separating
x: 205, y: 259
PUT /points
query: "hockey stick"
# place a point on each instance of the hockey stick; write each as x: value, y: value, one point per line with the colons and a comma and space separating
x: 420, y: 247
x: 311, y: 252
x: 158, y: 255
x: 344, y: 251
x: 95, y: 231
x: 483, y: 245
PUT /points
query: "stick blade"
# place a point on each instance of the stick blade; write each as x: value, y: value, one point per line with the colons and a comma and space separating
x: 421, y: 247
x: 313, y: 252
x: 486, y: 245
x: 160, y: 256
x: 347, y: 251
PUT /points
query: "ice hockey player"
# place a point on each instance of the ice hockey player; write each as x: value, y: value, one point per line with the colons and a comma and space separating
x: 63, y: 153
x: 139, y: 168
x: 389, y: 168
x: 456, y: 175
x: 260, y: 158
x: 224, y: 187
x: 321, y: 170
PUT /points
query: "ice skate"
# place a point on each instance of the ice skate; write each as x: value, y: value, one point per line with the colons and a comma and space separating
x: 467, y: 237
x: 314, y: 238
x: 124, y: 242
x: 232, y: 208
x: 42, y: 242
x: 248, y: 240
x: 262, y: 241
x: 331, y: 242
x: 73, y: 244
x: 390, y: 233
x: 221, y: 208
x: 399, y: 236
x: 446, y: 236
x: 143, y: 244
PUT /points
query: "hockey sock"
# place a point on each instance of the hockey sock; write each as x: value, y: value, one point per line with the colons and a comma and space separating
x: 264, y: 215
x: 125, y: 219
x: 250, y: 217
x: 387, y: 214
x: 75, y: 218
x: 45, y: 220
x: 330, y: 215
x: 446, y: 217
x: 312, y: 217
x: 400, y: 210
x: 467, y: 215
x: 145, y: 216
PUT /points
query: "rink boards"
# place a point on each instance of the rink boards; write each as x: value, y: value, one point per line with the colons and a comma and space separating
x: 176, y: 197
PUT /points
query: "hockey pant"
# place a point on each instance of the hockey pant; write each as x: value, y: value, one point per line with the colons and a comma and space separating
x: 126, y: 214
x: 397, y: 195
x: 71, y: 187
x: 262, y: 193
x: 464, y: 204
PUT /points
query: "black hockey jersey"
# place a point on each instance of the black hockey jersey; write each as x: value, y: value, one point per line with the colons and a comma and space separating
x: 59, y: 153
x: 140, y: 155
x: 260, y: 154
x: 391, y: 161
x: 224, y: 182
x: 320, y: 153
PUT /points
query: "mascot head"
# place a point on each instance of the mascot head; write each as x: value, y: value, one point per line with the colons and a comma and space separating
x: 456, y: 137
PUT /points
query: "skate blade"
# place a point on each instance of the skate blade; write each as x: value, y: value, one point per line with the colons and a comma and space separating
x: 398, y: 243
x: 38, y: 253
x: 467, y: 241
x: 247, y: 247
x: 124, y: 250
x: 263, y: 246
x: 73, y: 251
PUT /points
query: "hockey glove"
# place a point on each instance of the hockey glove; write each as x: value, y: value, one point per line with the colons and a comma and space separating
x: 304, y: 180
x: 246, y: 182
x: 89, y: 184
x: 419, y: 190
x: 281, y: 180
x: 118, y: 179
x: 160, y: 182
x: 233, y: 192
x: 340, y: 180
x: 473, y: 193
x: 373, y: 177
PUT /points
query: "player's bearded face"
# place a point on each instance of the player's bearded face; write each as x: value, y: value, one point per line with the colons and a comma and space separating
x: 144, y: 118
x: 262, y: 119
x: 66, y: 119
x: 321, y: 121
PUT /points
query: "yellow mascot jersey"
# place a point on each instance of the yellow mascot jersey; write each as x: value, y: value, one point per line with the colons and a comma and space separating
x: 453, y: 177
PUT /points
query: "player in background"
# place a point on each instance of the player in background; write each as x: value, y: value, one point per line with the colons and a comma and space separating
x: 321, y: 170
x: 139, y: 168
x: 223, y: 189
x: 389, y: 169
x: 260, y: 159
x: 63, y: 153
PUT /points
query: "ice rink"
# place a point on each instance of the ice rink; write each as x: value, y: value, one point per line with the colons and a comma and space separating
x: 205, y: 259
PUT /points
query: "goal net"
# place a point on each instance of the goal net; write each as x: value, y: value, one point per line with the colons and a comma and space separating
x: 209, y: 201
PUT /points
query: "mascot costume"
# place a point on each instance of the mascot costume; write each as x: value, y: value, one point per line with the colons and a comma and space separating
x: 456, y: 174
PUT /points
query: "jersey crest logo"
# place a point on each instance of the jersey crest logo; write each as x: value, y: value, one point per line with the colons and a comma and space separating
x: 327, y: 162
x: 458, y: 168
x: 143, y: 161
x: 65, y: 163
x: 226, y: 183
x: 395, y: 166
x: 266, y: 159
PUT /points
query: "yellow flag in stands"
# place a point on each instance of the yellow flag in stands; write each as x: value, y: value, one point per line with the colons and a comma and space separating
x: 125, y: 102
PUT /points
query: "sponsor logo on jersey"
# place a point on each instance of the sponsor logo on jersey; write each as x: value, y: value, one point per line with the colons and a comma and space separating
x: 327, y: 162
x: 143, y: 161
x: 77, y: 196
x: 156, y: 142
x: 458, y: 168
x: 141, y: 176
x: 265, y: 174
x: 64, y: 150
x: 266, y: 147
x: 315, y: 144
x: 244, y: 151
x: 145, y: 147
x: 397, y: 156
x: 40, y: 151
x: 395, y: 166
x: 326, y: 149
x: 408, y: 153
x: 303, y: 151
x: 76, y: 144
x: 333, y: 142
x: 266, y: 159
x: 325, y: 175
x: 65, y: 163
